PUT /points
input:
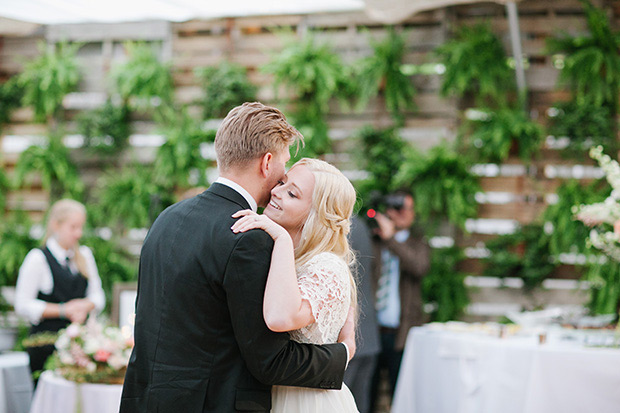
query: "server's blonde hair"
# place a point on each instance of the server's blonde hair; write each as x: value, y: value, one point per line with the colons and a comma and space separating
x: 60, y: 212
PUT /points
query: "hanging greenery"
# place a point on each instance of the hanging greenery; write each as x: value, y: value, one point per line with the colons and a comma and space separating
x: 114, y: 263
x: 444, y: 286
x: 524, y: 254
x: 381, y: 73
x: 143, y: 81
x: 591, y: 63
x: 494, y: 134
x: 129, y: 198
x: 106, y: 129
x: 16, y: 242
x: 51, y: 161
x: 48, y: 78
x: 225, y: 86
x: 381, y: 152
x: 313, y: 74
x: 179, y: 163
x: 603, y: 275
x: 476, y: 64
x: 569, y: 234
x: 5, y: 186
x: 585, y: 125
x: 11, y: 95
x: 442, y: 185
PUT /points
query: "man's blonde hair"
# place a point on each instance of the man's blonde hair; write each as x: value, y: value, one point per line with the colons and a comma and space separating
x: 250, y: 131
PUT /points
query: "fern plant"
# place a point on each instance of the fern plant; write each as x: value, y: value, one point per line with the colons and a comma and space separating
x: 16, y: 242
x: 476, y: 64
x: 313, y: 74
x: 592, y: 62
x: 225, y: 86
x: 569, y: 234
x: 180, y: 157
x: 524, y: 254
x: 444, y: 286
x: 381, y: 73
x: 5, y: 187
x: 442, y: 185
x: 493, y: 136
x: 52, y: 162
x: 48, y: 78
x: 11, y: 95
x: 143, y: 81
x: 106, y: 129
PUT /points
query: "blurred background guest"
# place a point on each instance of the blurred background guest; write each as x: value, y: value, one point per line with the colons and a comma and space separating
x: 59, y: 283
x: 358, y: 375
x: 403, y: 259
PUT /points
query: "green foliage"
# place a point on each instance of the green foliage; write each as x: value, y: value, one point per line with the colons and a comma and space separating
x: 382, y: 70
x: 313, y: 74
x: 604, y: 279
x: 114, y: 264
x: 16, y: 242
x: 106, y: 129
x: 144, y: 78
x: 569, y: 234
x: 225, y: 86
x: 52, y: 162
x: 48, y: 78
x: 495, y: 135
x: 441, y: 184
x: 476, y: 64
x: 585, y: 125
x: 381, y: 153
x: 11, y: 95
x: 130, y: 197
x: 179, y: 157
x: 444, y: 285
x: 5, y: 186
x: 524, y: 254
x: 592, y: 62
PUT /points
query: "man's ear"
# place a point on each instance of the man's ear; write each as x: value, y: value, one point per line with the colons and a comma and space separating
x: 265, y: 164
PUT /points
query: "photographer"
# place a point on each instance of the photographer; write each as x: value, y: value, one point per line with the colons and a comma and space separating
x: 402, y: 260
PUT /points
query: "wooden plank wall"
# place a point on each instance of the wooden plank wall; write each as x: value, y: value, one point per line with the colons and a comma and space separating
x: 251, y: 41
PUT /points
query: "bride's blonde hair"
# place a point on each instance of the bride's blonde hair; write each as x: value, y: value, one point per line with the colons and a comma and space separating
x: 329, y: 219
x: 60, y: 212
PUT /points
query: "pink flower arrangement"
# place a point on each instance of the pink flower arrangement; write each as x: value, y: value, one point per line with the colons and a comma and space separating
x: 93, y: 352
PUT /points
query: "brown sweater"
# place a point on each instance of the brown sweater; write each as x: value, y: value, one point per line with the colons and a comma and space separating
x: 414, y: 256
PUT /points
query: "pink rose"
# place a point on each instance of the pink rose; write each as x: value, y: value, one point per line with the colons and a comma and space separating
x: 102, y: 356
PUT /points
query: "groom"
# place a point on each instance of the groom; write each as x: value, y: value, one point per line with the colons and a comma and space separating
x: 201, y: 344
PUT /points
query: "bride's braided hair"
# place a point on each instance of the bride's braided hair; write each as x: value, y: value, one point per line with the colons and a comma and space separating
x: 329, y: 219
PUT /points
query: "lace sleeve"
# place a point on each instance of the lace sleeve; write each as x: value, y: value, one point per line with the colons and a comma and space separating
x: 324, y: 282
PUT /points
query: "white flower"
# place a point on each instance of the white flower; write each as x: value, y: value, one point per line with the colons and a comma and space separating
x: 73, y: 330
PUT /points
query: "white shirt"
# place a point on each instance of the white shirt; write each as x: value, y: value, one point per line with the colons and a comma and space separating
x: 389, y: 315
x: 35, y: 276
x: 241, y: 190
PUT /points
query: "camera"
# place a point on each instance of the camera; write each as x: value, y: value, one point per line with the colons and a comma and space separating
x: 378, y: 202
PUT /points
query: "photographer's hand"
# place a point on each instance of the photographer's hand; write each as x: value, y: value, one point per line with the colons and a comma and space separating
x: 386, y: 229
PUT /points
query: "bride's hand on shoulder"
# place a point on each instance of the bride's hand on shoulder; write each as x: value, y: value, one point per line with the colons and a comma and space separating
x: 249, y: 219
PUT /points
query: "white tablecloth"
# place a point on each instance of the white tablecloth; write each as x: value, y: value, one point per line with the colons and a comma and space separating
x: 457, y: 372
x: 15, y: 382
x: 57, y: 395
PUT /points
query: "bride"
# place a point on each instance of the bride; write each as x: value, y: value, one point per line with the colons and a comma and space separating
x: 310, y: 288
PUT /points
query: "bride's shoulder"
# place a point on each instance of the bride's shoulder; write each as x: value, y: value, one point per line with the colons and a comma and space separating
x: 327, y: 260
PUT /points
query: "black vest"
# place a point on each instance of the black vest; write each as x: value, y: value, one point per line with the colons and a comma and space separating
x: 66, y: 287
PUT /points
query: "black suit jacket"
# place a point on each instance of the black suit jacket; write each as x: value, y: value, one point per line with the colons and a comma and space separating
x: 201, y: 344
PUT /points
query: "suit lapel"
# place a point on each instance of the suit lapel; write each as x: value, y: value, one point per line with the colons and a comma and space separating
x: 228, y: 193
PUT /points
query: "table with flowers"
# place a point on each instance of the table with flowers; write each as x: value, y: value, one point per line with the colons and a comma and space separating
x: 459, y: 368
x: 88, y: 369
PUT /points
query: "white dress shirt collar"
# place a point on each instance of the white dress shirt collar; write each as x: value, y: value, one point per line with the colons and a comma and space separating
x: 57, y: 251
x: 245, y: 194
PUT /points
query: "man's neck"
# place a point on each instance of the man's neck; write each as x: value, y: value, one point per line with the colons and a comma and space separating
x: 252, y: 186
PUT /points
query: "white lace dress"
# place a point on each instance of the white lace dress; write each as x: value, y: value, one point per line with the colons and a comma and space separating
x: 324, y: 282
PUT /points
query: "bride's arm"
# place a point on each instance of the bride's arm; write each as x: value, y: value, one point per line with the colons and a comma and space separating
x: 283, y: 307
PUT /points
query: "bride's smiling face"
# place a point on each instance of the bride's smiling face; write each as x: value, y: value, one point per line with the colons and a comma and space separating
x: 291, y: 199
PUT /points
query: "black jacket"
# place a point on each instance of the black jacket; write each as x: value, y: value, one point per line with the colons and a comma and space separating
x: 201, y: 344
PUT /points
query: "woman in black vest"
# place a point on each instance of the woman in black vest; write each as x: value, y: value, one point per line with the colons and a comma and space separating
x: 59, y: 283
